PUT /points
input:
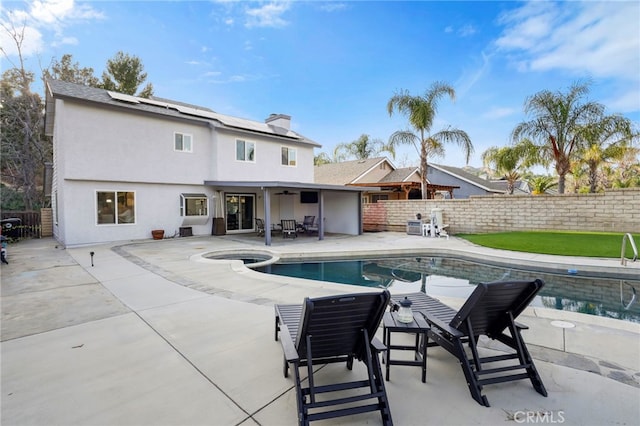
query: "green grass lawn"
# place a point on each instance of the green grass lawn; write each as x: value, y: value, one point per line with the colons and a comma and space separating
x: 587, y: 244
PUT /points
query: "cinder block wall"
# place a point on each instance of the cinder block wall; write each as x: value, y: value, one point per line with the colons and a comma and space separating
x: 612, y: 211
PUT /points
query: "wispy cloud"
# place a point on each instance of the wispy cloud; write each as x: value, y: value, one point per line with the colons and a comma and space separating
x: 210, y: 74
x: 57, y: 11
x: 217, y: 77
x: 592, y: 36
x: 43, y: 16
x: 268, y: 15
x: 467, y: 30
x: 464, y: 31
x: 66, y: 41
x: 333, y: 6
x: 587, y: 39
x: 499, y: 112
x: 470, y: 78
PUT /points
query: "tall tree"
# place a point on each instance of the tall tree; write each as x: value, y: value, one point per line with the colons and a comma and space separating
x: 556, y: 121
x: 365, y: 147
x: 507, y: 161
x: 321, y: 159
x: 124, y: 74
x: 66, y: 70
x: 421, y: 111
x: 24, y: 150
x: 607, y: 138
x: 626, y: 173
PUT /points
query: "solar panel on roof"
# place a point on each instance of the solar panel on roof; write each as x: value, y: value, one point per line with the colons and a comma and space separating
x: 122, y: 97
x: 224, y: 119
x: 156, y: 103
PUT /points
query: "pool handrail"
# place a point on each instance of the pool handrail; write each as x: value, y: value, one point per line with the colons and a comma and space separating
x: 623, y: 259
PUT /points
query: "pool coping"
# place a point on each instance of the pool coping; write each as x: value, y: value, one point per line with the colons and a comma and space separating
x: 566, y: 267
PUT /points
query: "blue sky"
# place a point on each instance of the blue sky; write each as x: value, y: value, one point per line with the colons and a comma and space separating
x: 333, y: 65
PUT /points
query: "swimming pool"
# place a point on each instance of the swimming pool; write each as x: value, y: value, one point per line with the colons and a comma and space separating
x: 441, y: 276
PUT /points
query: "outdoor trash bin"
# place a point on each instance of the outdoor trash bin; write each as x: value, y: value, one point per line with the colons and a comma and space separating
x: 11, y: 227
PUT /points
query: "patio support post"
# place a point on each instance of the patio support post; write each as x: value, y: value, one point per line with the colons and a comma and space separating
x: 266, y: 195
x: 360, y: 213
x: 321, y: 216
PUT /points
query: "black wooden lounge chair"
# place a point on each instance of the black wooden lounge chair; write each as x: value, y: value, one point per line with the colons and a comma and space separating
x: 335, y: 329
x: 490, y: 310
x: 289, y: 228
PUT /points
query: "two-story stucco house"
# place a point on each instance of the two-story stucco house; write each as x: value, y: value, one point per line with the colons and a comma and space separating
x: 124, y: 166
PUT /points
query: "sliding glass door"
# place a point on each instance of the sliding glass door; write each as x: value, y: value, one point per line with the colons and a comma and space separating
x: 240, y: 212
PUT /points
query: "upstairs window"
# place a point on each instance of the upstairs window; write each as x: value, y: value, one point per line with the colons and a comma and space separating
x: 194, y: 205
x: 116, y: 207
x: 288, y: 156
x: 182, y: 142
x: 245, y: 151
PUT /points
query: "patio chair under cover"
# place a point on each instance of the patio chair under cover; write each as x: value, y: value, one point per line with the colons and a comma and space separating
x: 335, y: 329
x: 260, y: 227
x: 490, y: 310
x: 307, y: 224
x: 289, y: 228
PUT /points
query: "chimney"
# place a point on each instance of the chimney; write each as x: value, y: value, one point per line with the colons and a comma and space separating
x: 279, y: 120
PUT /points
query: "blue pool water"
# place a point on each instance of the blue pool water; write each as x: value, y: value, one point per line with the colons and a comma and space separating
x: 569, y: 290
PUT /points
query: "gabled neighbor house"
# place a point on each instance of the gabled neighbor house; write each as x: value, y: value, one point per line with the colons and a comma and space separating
x: 384, y: 180
x: 468, y: 183
x: 124, y: 166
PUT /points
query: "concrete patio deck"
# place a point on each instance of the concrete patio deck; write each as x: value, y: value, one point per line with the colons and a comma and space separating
x: 153, y: 334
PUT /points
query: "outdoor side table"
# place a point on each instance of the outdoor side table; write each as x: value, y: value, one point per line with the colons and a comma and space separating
x: 419, y: 327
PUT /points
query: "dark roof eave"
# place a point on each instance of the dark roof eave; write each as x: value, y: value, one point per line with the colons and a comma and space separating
x: 417, y: 184
x: 300, y: 139
x: 277, y: 184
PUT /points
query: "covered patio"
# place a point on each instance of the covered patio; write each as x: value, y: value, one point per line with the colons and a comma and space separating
x: 337, y: 209
x: 408, y: 188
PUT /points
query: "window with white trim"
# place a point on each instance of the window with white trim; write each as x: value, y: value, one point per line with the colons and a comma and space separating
x: 289, y: 156
x: 115, y: 207
x: 182, y: 142
x: 245, y: 151
x: 194, y: 205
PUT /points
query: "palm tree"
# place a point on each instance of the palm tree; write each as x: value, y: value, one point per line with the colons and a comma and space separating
x: 507, y: 161
x: 421, y: 111
x: 363, y: 148
x: 541, y: 184
x: 626, y: 174
x: 321, y: 159
x: 606, y: 139
x: 554, y: 129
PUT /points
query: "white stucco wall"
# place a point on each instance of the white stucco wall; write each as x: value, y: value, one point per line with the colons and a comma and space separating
x: 103, y: 144
x: 268, y: 160
x: 157, y: 206
x: 339, y: 212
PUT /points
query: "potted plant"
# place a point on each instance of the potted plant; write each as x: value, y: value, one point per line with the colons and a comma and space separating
x: 157, y: 234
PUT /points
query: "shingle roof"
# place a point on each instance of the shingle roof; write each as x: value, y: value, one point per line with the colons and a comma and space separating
x: 519, y: 186
x: 346, y: 172
x: 160, y: 106
x: 471, y: 178
x: 400, y: 175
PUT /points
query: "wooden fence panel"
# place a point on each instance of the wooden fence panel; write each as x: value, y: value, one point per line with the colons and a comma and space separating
x: 19, y: 225
x: 46, y: 222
